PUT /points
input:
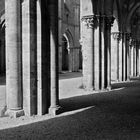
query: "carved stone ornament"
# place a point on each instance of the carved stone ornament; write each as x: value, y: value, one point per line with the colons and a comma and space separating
x: 109, y: 20
x: 117, y: 36
x: 90, y: 21
x: 128, y: 36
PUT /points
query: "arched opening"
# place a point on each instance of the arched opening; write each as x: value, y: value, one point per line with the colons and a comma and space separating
x: 65, y: 54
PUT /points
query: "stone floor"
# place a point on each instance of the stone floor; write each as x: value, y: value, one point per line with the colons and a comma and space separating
x: 113, y: 115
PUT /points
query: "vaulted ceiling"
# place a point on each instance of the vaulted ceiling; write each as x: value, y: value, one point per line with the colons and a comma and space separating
x: 129, y: 16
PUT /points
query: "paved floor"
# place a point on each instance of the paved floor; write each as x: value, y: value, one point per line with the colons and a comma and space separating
x: 113, y: 115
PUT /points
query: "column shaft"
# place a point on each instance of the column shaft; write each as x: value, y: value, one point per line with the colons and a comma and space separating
x: 43, y: 58
x: 29, y: 55
x: 103, y: 86
x: 109, y: 21
x: 53, y: 15
x: 13, y: 57
x: 137, y: 59
x: 120, y: 58
x: 127, y: 57
x: 88, y: 45
x: 130, y: 61
x: 117, y: 59
x: 134, y: 60
x: 97, y: 71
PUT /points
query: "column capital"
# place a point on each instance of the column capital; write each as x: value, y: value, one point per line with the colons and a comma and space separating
x: 116, y: 35
x: 101, y: 19
x: 137, y: 42
x: 128, y: 36
x: 109, y: 20
x: 90, y: 21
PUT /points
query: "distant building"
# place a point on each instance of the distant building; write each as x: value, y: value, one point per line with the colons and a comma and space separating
x: 69, y: 35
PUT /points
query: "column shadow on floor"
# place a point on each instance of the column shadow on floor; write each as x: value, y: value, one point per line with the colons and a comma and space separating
x: 121, y: 93
x: 112, y: 115
x: 132, y: 83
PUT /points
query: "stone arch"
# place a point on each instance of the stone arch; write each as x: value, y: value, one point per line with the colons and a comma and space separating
x: 69, y: 38
x: 118, y: 14
x: 67, y: 54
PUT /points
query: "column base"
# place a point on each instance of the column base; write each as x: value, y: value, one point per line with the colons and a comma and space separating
x: 54, y: 110
x: 128, y: 80
x: 109, y: 88
x: 14, y: 113
x: 89, y: 89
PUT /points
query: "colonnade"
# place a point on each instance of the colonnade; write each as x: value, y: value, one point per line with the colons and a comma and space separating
x: 31, y: 57
x: 128, y: 52
x: 96, y: 43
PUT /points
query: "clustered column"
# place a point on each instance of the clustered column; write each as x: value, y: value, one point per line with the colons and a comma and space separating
x: 137, y: 58
x: 128, y: 72
x: 130, y: 57
x: 117, y: 37
x: 31, y: 59
x: 108, y: 23
x: 126, y: 56
x: 96, y: 41
x: 53, y: 14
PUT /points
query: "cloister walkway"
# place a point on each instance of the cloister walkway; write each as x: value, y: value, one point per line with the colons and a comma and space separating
x: 108, y: 115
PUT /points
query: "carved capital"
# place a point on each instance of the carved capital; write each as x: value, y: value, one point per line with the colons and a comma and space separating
x: 128, y: 36
x: 109, y: 20
x: 90, y: 21
x: 117, y: 35
x: 101, y: 19
x: 137, y: 42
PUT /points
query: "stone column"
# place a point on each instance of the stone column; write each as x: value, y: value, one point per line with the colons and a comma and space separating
x: 108, y: 23
x: 132, y: 47
x: 53, y: 16
x: 29, y: 55
x: 87, y: 38
x: 116, y: 36
x: 118, y: 58
x: 97, y: 53
x: 127, y: 56
x: 134, y: 58
x: 43, y: 58
x: 137, y: 58
x: 60, y: 23
x: 130, y: 57
x: 13, y: 58
x: 102, y: 52
x: 124, y: 57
